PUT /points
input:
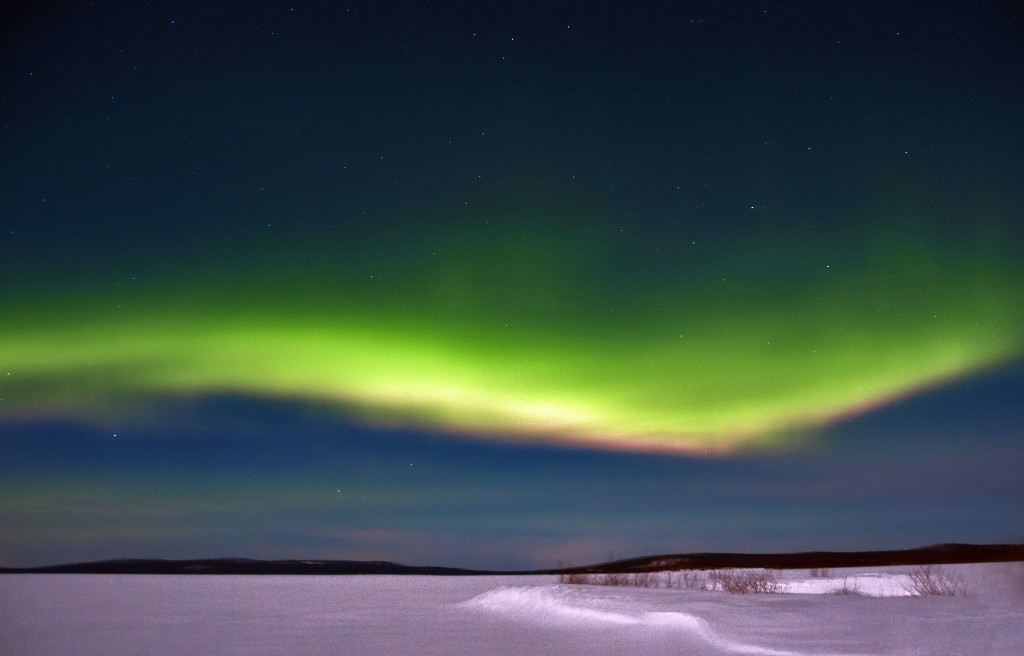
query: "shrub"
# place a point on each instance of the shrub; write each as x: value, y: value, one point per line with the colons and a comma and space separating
x: 744, y: 581
x: 926, y: 580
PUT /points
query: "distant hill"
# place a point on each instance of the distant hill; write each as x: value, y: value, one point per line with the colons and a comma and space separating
x: 237, y: 566
x: 932, y: 555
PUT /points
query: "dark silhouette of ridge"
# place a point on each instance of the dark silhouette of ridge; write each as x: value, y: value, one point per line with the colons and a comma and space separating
x: 939, y: 554
x: 932, y: 555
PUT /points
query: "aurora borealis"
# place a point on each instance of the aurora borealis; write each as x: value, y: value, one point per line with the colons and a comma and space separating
x: 669, y: 371
x: 255, y: 258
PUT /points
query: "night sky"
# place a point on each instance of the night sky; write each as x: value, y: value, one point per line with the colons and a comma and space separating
x: 509, y: 285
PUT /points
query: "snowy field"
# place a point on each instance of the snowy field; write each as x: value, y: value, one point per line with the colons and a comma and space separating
x: 853, y: 611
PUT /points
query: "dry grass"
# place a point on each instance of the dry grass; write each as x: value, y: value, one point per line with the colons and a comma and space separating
x: 574, y: 579
x: 735, y: 581
x: 849, y: 588
x: 928, y: 580
x: 690, y: 580
x: 618, y: 579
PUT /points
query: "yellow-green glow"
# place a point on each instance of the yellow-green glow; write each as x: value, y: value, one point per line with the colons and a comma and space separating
x: 691, y: 372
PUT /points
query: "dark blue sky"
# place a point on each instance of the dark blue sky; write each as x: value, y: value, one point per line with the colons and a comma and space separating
x: 509, y: 285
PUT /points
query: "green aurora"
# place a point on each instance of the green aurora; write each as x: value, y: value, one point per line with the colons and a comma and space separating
x: 534, y: 333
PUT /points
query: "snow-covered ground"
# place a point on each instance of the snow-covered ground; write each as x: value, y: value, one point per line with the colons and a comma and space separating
x: 112, y: 614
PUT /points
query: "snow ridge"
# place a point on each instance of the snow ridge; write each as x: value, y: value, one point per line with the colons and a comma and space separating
x: 560, y: 605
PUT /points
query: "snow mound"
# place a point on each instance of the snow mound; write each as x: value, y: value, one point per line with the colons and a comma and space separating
x: 871, y: 584
x: 546, y: 603
x: 556, y: 604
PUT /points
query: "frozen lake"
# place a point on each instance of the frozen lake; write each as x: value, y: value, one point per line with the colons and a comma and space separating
x: 126, y: 614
